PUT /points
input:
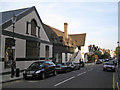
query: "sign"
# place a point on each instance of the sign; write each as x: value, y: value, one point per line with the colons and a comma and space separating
x: 13, y: 47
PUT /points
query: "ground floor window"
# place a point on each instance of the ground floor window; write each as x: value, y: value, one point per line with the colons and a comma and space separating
x: 47, y: 52
x: 66, y: 57
x: 32, y: 49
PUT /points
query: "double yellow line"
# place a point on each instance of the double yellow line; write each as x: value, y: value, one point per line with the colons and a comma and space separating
x: 114, y: 82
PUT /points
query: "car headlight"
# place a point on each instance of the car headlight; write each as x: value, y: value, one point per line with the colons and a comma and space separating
x: 38, y: 71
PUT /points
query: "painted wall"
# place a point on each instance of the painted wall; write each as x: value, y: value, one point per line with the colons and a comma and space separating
x: 20, y: 26
x: 20, y: 48
x: 63, y: 58
x: 42, y: 50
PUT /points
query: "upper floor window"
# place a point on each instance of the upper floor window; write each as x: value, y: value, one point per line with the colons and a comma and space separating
x: 33, y: 27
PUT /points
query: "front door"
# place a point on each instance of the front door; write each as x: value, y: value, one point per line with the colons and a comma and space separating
x: 9, y: 52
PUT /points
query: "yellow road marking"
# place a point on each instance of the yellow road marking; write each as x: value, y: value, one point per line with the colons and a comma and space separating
x: 113, y: 81
x: 117, y: 85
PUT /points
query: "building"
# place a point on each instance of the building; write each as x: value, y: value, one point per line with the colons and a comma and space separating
x: 27, y: 43
x: 29, y: 40
x: 69, y: 48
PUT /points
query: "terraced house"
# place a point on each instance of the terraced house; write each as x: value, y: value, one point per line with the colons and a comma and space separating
x: 29, y: 39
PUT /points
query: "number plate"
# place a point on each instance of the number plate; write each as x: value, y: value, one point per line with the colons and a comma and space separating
x: 29, y: 75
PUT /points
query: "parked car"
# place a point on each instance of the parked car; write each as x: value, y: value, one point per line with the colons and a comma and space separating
x: 61, y: 68
x: 109, y: 66
x: 82, y: 64
x: 106, y: 60
x: 40, y: 69
x: 73, y: 65
x: 98, y: 62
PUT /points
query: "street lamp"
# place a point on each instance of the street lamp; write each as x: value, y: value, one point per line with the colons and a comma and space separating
x: 13, y: 22
x: 13, y: 62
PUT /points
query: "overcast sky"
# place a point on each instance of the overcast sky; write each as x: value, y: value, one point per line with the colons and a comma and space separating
x: 97, y: 18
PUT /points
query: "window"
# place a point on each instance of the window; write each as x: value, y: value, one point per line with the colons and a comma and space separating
x: 27, y: 23
x: 33, y: 27
x: 47, y: 52
x: 32, y: 49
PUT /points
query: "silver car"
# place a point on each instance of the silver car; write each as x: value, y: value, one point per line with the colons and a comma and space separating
x: 110, y: 66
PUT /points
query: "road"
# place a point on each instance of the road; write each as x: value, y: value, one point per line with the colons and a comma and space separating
x: 90, y: 76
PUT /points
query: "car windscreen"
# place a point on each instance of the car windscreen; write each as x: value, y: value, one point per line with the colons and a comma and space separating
x: 108, y: 64
x: 35, y: 65
x: 68, y: 63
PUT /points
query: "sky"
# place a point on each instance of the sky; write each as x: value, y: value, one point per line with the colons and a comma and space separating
x: 97, y: 18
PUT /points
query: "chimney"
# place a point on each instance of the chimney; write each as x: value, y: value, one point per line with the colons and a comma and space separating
x: 66, y: 29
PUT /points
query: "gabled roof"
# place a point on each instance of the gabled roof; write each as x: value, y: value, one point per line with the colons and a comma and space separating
x: 8, y: 14
x: 20, y: 13
x: 61, y: 34
x: 73, y: 39
x: 79, y: 38
x: 51, y: 34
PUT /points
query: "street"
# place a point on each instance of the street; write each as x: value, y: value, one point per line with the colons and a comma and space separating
x: 90, y: 76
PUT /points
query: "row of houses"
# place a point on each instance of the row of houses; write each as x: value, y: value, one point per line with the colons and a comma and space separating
x: 31, y: 40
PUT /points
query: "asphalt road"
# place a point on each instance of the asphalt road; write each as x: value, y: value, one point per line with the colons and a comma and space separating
x: 90, y: 76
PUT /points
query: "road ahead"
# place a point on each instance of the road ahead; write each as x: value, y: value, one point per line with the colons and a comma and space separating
x: 90, y: 76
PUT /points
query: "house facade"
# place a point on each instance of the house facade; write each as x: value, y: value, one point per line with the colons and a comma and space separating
x: 31, y: 40
x: 28, y: 43
x: 66, y: 47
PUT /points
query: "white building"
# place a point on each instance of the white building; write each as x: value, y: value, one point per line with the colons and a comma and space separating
x: 30, y: 41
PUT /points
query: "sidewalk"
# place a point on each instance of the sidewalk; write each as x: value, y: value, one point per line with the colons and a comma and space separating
x: 7, y: 78
x: 117, y: 79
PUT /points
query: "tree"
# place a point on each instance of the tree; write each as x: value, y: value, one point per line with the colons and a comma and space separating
x: 117, y: 50
x: 98, y: 53
x: 106, y: 55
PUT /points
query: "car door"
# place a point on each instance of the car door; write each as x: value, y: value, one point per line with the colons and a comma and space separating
x: 51, y: 67
x: 47, y: 67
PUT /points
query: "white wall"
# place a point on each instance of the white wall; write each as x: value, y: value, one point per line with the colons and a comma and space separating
x: 20, y: 26
x: 20, y: 48
x: 63, y: 57
x: 42, y: 50
x: 79, y: 55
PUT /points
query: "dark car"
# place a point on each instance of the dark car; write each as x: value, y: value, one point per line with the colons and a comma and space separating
x: 98, y: 62
x: 81, y: 63
x: 109, y: 66
x: 61, y: 68
x: 40, y: 69
x: 73, y: 65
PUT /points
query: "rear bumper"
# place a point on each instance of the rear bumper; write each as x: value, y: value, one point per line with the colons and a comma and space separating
x: 109, y: 69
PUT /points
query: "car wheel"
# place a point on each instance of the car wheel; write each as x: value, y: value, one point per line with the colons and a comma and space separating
x: 55, y: 73
x: 43, y: 76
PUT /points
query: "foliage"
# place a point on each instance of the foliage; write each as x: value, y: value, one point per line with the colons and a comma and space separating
x: 106, y: 55
x: 117, y: 50
x: 98, y: 53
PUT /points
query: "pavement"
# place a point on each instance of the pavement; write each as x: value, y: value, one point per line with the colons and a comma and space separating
x: 7, y: 78
x: 90, y: 76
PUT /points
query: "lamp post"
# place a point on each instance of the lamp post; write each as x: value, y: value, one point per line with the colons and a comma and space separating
x: 118, y: 54
x: 13, y: 62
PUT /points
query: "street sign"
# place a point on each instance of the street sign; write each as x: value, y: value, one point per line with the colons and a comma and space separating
x: 13, y: 47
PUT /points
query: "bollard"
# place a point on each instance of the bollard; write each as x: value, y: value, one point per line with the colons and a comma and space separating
x: 17, y: 72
